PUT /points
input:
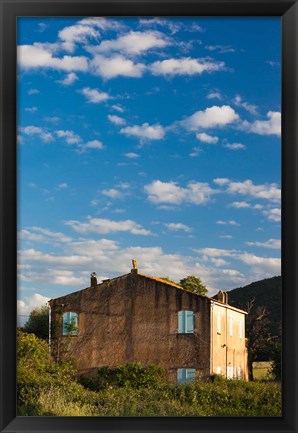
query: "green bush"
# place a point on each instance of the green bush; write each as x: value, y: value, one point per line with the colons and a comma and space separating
x: 131, y: 375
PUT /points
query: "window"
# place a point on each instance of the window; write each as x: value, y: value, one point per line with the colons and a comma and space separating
x: 70, y: 323
x: 240, y: 329
x: 218, y: 323
x: 231, y: 326
x: 185, y: 375
x: 186, y: 322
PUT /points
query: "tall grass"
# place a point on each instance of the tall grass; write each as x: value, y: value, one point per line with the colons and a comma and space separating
x: 225, y: 398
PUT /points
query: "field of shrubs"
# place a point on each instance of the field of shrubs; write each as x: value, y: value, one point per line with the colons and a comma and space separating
x: 46, y: 388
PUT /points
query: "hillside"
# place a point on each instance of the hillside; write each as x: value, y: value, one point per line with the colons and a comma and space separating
x: 266, y: 293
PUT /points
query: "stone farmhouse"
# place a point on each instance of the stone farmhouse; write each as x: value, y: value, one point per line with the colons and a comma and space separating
x: 137, y: 318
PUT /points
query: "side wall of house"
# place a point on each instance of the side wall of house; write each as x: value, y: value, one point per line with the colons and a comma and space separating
x: 228, y: 347
x: 134, y: 318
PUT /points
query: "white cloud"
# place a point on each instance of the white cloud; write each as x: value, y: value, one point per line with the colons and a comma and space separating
x: 102, y: 23
x: 32, y: 56
x: 116, y: 119
x: 185, y: 66
x: 273, y: 214
x: 214, y: 95
x: 42, y: 133
x: 178, y: 226
x: 113, y: 193
x: 77, y: 33
x: 31, y: 109
x: 216, y: 252
x: 221, y: 181
x: 271, y: 243
x: 104, y: 226
x: 40, y: 234
x: 212, y: 117
x: 145, y: 131
x: 173, y: 26
x: 235, y: 146
x: 227, y: 223
x: 263, y: 191
x: 63, y: 185
x: 240, y: 204
x: 205, y: 138
x: 26, y: 235
x: 263, y: 266
x: 196, y: 151
x: 272, y: 126
x: 131, y: 155
x: 116, y: 66
x: 273, y: 63
x: 28, y: 304
x: 118, y: 108
x: 69, y: 136
x: 32, y: 91
x: 94, y: 96
x: 171, y: 193
x: 69, y: 79
x: 93, y: 144
x: 222, y: 49
x: 134, y: 42
x: 52, y: 119
x: 252, y: 109
x: 219, y: 262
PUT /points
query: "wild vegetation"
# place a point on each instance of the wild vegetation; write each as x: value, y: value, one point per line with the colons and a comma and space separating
x: 48, y: 388
x: 262, y: 301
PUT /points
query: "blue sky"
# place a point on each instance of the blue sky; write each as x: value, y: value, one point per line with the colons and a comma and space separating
x: 156, y: 139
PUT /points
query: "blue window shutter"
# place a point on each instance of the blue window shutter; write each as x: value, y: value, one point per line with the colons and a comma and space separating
x: 190, y: 374
x: 179, y: 375
x: 181, y: 321
x: 189, y: 321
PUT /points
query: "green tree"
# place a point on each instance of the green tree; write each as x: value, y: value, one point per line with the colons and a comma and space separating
x: 38, y: 322
x: 256, y: 326
x: 275, y: 357
x: 193, y: 284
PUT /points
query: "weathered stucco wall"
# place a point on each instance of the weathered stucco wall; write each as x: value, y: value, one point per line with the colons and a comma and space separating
x: 228, y: 353
x: 135, y: 318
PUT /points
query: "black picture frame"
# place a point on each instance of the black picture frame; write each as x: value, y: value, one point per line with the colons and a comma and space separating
x: 10, y: 10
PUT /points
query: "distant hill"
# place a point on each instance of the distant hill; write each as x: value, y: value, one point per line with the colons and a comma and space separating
x: 266, y: 293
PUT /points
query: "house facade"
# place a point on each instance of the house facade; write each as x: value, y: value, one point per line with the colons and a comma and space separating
x: 136, y: 318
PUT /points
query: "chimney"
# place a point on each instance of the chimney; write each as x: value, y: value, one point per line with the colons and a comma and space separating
x: 93, y: 279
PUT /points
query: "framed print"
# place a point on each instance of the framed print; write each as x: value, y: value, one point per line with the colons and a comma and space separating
x: 148, y: 216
